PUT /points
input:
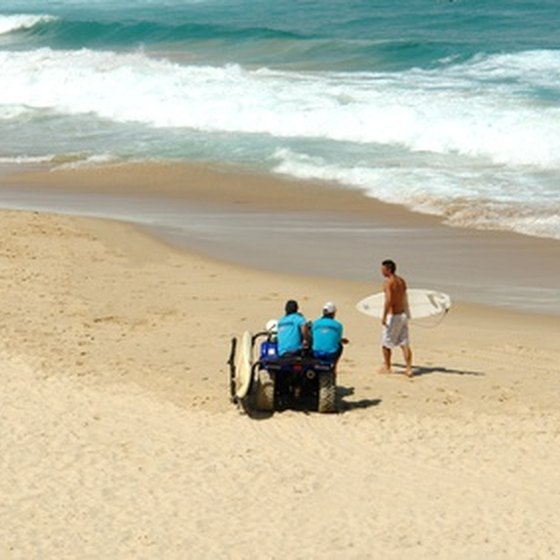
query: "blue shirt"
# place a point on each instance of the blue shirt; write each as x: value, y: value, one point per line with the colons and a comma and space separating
x: 290, y: 338
x: 327, y: 335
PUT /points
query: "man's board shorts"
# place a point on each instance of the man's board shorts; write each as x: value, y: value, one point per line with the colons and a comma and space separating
x: 395, y: 332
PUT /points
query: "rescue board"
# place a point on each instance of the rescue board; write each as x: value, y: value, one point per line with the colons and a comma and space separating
x: 421, y: 303
x: 243, y: 365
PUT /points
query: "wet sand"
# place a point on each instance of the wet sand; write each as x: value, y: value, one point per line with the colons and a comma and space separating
x: 303, y: 228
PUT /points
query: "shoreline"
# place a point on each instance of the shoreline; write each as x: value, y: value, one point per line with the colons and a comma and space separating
x: 282, y: 225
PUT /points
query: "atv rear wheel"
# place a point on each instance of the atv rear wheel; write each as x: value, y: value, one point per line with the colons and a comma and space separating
x: 327, y: 392
x: 264, y: 398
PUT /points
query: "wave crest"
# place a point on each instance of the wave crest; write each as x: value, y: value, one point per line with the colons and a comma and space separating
x: 17, y: 22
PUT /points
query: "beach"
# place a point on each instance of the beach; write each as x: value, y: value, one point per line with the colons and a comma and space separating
x: 119, y: 440
x: 171, y: 173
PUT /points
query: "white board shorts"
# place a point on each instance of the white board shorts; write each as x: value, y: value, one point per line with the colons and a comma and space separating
x: 395, y: 332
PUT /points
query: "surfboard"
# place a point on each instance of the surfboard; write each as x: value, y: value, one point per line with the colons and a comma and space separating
x: 243, y: 365
x: 421, y: 303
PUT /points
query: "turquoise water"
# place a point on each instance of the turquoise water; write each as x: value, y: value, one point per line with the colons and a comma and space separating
x: 447, y: 107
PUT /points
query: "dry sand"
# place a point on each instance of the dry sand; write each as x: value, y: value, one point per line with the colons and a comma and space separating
x: 118, y: 440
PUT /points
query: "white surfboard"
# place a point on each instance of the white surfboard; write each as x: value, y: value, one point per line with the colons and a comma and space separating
x: 421, y: 303
x: 243, y: 365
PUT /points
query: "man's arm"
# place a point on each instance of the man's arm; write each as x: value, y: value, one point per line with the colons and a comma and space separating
x: 388, y: 302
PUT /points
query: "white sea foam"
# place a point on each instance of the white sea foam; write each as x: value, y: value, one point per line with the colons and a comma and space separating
x: 23, y: 160
x: 84, y: 162
x: 442, y: 112
x: 60, y: 161
x: 482, y: 199
x: 10, y: 23
x: 534, y: 68
x: 13, y: 112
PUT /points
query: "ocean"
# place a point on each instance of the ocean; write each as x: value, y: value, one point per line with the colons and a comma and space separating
x: 446, y: 107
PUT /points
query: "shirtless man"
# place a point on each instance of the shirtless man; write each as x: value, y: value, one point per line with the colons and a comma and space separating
x: 395, y: 316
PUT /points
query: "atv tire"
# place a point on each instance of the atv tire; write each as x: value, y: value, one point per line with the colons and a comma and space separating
x: 327, y: 392
x: 264, y: 398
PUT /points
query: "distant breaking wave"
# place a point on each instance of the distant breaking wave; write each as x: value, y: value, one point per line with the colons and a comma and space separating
x: 60, y: 33
x: 17, y: 22
x: 249, y: 44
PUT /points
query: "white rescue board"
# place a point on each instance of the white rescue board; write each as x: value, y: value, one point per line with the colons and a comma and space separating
x: 244, y: 365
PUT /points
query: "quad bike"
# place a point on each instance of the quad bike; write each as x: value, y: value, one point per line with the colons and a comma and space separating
x: 270, y: 382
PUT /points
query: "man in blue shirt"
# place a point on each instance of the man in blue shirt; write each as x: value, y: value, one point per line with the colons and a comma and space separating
x: 292, y: 331
x: 326, y: 335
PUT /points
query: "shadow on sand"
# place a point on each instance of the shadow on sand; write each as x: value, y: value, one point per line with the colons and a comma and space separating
x: 425, y: 370
x: 348, y: 405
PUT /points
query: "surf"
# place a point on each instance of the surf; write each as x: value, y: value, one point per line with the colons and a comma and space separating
x: 368, y: 108
x: 463, y: 122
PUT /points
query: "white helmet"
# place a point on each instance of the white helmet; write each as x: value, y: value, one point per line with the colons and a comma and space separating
x: 272, y: 326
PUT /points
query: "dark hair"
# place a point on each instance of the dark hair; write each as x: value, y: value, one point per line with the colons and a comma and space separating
x: 291, y: 306
x: 390, y: 265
